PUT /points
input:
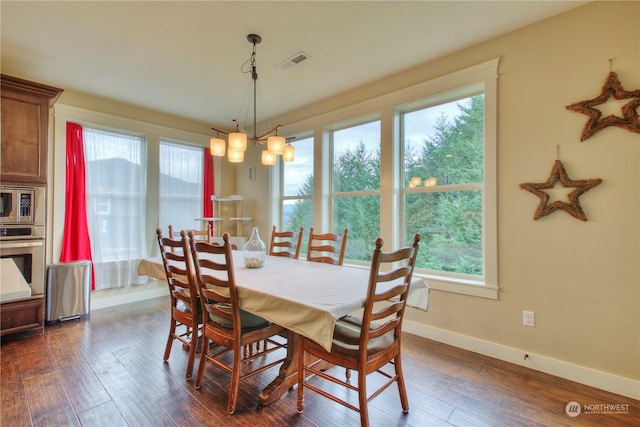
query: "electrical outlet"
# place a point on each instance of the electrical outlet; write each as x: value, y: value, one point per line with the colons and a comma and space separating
x: 528, y: 318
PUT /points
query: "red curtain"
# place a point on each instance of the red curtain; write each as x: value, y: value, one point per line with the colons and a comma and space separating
x: 207, y: 187
x: 76, y: 244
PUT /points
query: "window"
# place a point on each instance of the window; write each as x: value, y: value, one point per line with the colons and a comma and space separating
x: 356, y: 187
x: 297, y: 189
x: 443, y: 164
x: 428, y: 165
x: 180, y: 186
x: 116, y: 187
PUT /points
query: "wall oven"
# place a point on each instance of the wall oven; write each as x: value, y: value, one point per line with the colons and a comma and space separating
x: 29, y: 258
x: 22, y: 232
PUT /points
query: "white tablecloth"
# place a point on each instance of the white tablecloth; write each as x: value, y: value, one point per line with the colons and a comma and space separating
x: 304, y: 297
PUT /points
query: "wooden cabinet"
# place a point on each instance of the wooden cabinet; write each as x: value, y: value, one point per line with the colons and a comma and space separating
x: 22, y: 315
x: 25, y: 124
x: 25, y: 131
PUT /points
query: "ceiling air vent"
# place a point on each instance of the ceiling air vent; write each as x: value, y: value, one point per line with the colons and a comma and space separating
x: 294, y: 60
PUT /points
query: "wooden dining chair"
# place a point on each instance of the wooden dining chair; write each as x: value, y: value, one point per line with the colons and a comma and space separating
x: 286, y: 243
x: 225, y: 324
x: 172, y: 236
x: 366, y: 344
x: 328, y: 247
x: 199, y: 234
x: 186, y: 318
x: 203, y: 235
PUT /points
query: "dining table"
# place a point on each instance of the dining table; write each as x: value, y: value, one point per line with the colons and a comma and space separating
x: 306, y: 298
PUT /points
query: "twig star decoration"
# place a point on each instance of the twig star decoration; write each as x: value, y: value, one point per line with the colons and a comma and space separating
x: 558, y: 173
x: 611, y: 88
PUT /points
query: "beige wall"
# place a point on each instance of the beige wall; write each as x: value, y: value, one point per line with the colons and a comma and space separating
x: 581, y: 279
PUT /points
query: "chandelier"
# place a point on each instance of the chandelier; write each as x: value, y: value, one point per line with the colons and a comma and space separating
x: 275, y: 145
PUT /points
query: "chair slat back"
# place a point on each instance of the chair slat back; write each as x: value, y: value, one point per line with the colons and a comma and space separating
x: 328, y: 247
x: 175, y: 260
x: 286, y: 243
x: 388, y: 268
x: 213, y: 265
x: 203, y: 235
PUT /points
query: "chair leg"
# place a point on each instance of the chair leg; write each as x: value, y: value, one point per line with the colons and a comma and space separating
x: 203, y: 360
x: 193, y: 346
x: 235, y: 381
x: 172, y: 334
x: 362, y: 399
x: 404, y: 400
x: 300, y: 375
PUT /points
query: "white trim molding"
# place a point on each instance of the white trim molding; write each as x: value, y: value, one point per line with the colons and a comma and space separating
x: 603, y: 380
x: 118, y: 296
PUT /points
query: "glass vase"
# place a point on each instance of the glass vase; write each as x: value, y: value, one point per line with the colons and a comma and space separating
x: 255, y: 251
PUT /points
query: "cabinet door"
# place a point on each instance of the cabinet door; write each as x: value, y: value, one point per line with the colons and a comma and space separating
x: 25, y: 118
x: 24, y: 139
x: 20, y: 316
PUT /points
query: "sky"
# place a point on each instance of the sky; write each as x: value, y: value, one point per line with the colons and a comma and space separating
x: 419, y: 124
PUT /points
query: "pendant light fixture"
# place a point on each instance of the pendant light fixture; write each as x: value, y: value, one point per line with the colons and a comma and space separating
x: 237, y: 140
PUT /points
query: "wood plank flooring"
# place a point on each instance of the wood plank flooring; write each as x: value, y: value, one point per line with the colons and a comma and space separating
x: 108, y: 371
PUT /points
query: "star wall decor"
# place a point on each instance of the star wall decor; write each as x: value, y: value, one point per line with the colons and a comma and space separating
x: 558, y: 173
x: 611, y: 88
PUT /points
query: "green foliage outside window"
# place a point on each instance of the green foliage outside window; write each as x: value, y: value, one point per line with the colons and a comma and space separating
x: 357, y: 169
x: 448, y: 215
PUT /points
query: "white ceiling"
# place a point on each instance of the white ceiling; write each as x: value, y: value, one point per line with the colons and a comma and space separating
x: 184, y: 58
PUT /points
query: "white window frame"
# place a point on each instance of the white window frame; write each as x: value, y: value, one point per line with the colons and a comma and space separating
x: 442, y: 280
x: 279, y: 182
x: 484, y: 75
x: 333, y: 195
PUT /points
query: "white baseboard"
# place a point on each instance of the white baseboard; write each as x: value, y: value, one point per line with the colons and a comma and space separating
x: 113, y: 297
x: 594, y: 378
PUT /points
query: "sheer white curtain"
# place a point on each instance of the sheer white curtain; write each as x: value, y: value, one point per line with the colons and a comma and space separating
x: 116, y: 166
x: 181, y: 178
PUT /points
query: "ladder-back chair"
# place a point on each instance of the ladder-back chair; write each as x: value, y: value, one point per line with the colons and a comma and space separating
x: 366, y: 344
x: 286, y: 243
x: 328, y: 247
x: 225, y: 324
x: 186, y: 319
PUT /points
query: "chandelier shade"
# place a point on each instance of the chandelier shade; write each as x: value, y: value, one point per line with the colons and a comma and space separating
x: 235, y: 156
x: 289, y: 153
x: 238, y: 139
x: 217, y: 147
x: 415, y: 181
x: 268, y: 158
x: 275, y: 144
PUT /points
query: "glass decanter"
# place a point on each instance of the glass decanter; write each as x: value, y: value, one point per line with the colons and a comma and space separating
x: 255, y: 251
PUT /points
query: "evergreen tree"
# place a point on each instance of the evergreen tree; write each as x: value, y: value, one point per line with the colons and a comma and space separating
x: 449, y: 219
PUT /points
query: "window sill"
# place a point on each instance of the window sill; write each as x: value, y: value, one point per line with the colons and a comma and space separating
x: 473, y: 288
x: 455, y: 285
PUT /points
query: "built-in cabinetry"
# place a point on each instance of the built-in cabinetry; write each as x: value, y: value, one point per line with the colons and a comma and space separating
x: 25, y: 130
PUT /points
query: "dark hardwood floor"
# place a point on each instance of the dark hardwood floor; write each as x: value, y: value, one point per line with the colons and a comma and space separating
x: 108, y: 371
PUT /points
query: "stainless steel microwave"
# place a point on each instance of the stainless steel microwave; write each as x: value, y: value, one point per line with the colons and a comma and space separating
x: 18, y: 205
